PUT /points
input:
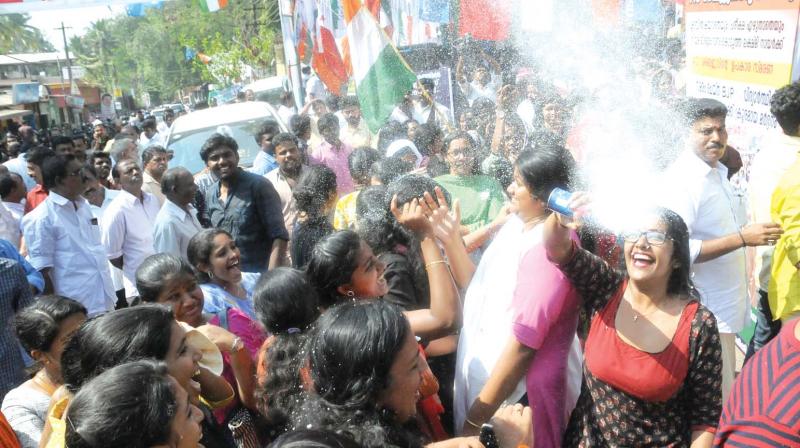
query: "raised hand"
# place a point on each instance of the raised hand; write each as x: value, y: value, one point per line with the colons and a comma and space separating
x: 413, y: 216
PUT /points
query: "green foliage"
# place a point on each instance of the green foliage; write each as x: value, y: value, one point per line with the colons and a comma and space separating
x: 146, y: 53
x: 16, y: 36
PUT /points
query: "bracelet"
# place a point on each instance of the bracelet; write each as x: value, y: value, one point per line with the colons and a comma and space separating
x: 744, y: 244
x: 435, y: 263
x: 471, y: 423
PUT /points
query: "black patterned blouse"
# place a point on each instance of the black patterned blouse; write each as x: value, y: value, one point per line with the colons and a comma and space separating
x: 607, y: 416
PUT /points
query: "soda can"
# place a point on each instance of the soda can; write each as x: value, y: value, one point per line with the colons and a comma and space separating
x: 558, y: 201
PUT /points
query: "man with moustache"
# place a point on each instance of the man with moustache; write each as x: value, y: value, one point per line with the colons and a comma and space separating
x: 127, y: 224
x: 284, y: 178
x: 176, y: 222
x: 697, y: 188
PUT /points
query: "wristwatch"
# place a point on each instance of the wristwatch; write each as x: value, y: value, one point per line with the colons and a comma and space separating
x: 237, y: 344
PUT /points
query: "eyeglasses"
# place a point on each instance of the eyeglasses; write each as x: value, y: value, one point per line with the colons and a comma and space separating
x: 653, y: 237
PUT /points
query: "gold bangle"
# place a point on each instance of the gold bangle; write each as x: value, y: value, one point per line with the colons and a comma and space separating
x: 471, y: 423
x: 435, y: 263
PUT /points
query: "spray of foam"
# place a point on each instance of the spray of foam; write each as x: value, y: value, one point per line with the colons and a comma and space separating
x: 627, y: 136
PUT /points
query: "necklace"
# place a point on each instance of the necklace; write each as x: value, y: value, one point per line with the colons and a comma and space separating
x: 637, y: 314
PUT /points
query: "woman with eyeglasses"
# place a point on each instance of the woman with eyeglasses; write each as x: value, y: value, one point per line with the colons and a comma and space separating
x: 652, y: 357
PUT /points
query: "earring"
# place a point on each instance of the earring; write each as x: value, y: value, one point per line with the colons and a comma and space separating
x: 351, y: 294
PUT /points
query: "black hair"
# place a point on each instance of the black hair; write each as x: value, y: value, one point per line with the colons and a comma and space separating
x: 169, y: 180
x: 425, y: 135
x: 313, y: 438
x: 785, y: 106
x: 697, y: 108
x: 332, y: 263
x: 99, y: 155
x: 327, y: 121
x: 200, y: 247
x: 156, y: 270
x: 300, y: 124
x: 38, y: 154
x: 114, y: 338
x: 388, y: 169
x: 349, y: 101
x: 55, y: 168
x: 360, y: 161
x: 286, y: 305
x: 348, y: 382
x: 149, y: 123
x: 115, y: 170
x: 38, y: 325
x: 459, y: 135
x: 131, y: 405
x: 267, y: 127
x: 282, y: 138
x: 150, y: 152
x: 314, y: 189
x: 7, y: 184
x: 61, y: 140
x: 544, y: 170
x: 680, y: 280
x: 215, y: 142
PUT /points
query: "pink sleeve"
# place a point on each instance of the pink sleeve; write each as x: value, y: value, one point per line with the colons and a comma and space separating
x: 539, y: 297
x: 248, y: 330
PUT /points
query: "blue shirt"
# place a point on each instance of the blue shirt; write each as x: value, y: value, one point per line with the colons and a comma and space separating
x: 216, y: 299
x: 14, y: 296
x: 263, y: 163
x: 35, y: 279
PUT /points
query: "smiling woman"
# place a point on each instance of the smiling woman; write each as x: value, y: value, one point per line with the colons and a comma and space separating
x: 660, y: 361
x: 216, y: 257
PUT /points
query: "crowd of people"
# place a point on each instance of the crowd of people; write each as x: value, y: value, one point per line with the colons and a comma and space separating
x: 407, y: 288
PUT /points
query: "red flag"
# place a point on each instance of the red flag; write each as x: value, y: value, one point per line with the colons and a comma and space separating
x: 485, y: 19
x: 327, y: 62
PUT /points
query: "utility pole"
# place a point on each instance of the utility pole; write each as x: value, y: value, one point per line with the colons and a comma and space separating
x: 66, y: 53
x: 69, y: 67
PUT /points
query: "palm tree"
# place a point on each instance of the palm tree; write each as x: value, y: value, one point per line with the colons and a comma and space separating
x: 16, y: 36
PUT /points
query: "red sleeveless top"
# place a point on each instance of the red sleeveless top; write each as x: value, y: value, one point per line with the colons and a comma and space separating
x: 653, y: 377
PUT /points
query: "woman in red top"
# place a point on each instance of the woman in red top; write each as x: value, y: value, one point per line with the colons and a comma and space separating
x: 652, y: 357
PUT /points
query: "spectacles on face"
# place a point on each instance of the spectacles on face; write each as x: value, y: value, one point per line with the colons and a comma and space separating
x: 653, y: 237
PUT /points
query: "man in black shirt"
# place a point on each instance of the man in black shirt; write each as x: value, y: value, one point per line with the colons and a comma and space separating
x: 245, y: 205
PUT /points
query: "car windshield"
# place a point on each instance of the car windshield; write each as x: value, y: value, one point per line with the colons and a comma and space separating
x: 186, y: 145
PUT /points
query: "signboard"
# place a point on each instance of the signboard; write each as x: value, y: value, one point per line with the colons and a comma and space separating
x: 739, y: 52
x: 75, y: 102
x: 78, y: 72
x: 25, y: 93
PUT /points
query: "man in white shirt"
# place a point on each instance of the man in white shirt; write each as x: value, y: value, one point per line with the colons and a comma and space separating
x: 697, y: 188
x: 424, y: 113
x: 154, y: 161
x: 285, y: 177
x: 352, y: 129
x: 484, y: 83
x: 127, y: 224
x: 176, y: 223
x: 12, y: 193
x: 150, y: 135
x: 777, y: 153
x: 63, y: 239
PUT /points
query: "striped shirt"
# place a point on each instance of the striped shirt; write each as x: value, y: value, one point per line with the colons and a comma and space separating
x: 764, y: 407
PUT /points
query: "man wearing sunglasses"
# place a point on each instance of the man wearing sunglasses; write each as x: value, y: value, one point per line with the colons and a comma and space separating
x: 699, y: 191
x: 63, y: 239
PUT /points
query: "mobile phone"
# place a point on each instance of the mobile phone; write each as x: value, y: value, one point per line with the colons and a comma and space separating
x: 487, y: 436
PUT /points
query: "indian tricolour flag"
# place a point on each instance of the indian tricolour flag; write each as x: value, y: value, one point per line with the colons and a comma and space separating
x: 212, y: 5
x: 381, y: 75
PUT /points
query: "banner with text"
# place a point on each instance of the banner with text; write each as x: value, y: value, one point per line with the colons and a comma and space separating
x: 739, y: 52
